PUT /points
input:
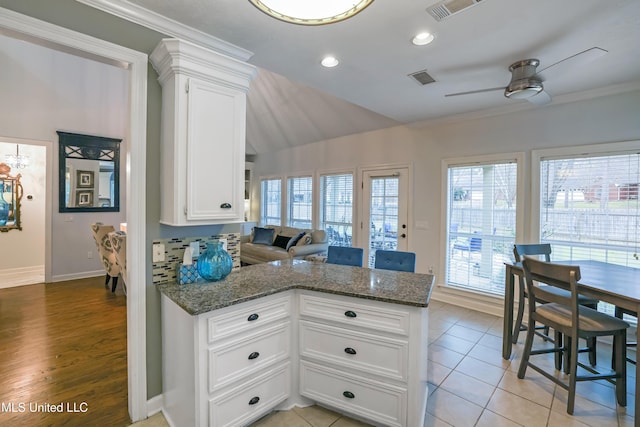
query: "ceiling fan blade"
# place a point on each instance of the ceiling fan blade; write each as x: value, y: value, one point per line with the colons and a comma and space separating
x: 542, y: 98
x: 475, y: 91
x: 572, y: 62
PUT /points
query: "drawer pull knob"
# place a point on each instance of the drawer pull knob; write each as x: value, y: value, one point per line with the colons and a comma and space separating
x: 350, y: 313
x: 348, y: 394
x: 253, y: 317
x: 350, y: 350
x: 254, y: 400
x: 254, y: 355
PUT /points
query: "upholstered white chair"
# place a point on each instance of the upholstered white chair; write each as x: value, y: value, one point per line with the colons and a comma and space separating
x: 119, y: 244
x: 107, y: 254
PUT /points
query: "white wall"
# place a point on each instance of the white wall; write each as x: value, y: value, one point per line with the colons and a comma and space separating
x: 43, y: 91
x: 606, y: 119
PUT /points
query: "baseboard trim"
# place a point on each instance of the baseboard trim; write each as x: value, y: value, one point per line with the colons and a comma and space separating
x: 154, y: 405
x: 13, y: 277
x: 76, y: 276
x: 483, y: 303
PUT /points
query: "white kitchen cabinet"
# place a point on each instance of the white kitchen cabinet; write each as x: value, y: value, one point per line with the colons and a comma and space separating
x: 203, y: 134
x: 366, y: 358
x: 226, y: 367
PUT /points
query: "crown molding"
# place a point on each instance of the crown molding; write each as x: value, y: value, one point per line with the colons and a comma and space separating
x: 524, y: 106
x: 154, y: 21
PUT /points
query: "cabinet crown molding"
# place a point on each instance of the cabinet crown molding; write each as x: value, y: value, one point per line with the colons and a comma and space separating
x: 174, y: 56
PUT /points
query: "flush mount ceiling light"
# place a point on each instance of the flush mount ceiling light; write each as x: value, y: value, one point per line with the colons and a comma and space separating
x: 329, y: 61
x: 422, y: 39
x: 311, y: 12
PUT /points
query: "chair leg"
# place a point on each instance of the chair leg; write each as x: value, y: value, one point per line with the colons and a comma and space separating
x: 568, y: 354
x: 528, y: 343
x: 591, y: 344
x: 620, y: 346
x: 558, y: 354
x: 106, y: 281
x: 518, y: 324
x: 572, y: 348
x: 114, y: 283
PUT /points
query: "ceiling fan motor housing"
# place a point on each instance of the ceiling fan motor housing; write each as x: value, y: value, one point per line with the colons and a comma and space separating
x: 524, y: 83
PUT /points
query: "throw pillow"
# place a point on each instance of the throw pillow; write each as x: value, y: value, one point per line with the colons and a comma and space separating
x: 304, y: 240
x: 294, y: 240
x: 263, y: 236
x: 281, y: 241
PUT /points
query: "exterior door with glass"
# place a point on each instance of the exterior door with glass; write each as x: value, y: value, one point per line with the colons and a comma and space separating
x: 385, y: 211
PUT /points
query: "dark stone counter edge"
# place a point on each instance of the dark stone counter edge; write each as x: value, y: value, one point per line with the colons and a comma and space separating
x: 165, y: 289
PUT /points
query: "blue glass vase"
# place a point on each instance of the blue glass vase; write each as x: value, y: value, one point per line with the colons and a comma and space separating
x: 214, y: 263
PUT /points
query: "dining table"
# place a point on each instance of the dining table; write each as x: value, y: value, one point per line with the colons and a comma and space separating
x: 612, y: 283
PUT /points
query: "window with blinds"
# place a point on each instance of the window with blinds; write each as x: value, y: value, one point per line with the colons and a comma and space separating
x: 589, y: 207
x: 336, y: 208
x: 300, y: 202
x: 481, y: 217
x: 270, y: 201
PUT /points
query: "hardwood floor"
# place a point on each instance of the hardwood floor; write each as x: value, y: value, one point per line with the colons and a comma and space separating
x: 63, y: 355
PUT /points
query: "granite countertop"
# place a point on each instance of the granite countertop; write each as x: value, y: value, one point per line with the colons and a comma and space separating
x: 256, y: 281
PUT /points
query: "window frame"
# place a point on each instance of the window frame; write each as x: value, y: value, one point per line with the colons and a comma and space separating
x: 261, y: 219
x: 286, y: 217
x: 452, y: 290
x: 320, y: 200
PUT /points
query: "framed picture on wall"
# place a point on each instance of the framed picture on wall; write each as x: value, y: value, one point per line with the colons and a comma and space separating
x: 84, y: 179
x: 84, y: 198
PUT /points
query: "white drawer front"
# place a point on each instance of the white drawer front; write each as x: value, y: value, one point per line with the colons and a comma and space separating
x: 251, y: 400
x: 357, y: 350
x: 355, y: 313
x: 249, y: 354
x: 246, y: 318
x: 373, y: 400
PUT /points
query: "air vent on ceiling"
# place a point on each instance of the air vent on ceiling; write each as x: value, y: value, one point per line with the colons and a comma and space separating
x: 446, y: 8
x: 422, y: 77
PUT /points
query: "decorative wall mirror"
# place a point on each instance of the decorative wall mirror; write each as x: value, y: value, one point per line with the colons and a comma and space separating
x: 10, y: 197
x: 89, y: 173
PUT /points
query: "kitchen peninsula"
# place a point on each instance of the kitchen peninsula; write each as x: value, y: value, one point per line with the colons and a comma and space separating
x: 292, y: 332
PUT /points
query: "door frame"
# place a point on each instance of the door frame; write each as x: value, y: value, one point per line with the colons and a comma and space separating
x: 60, y: 38
x: 362, y: 235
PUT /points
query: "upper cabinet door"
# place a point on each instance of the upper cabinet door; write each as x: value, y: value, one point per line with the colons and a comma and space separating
x: 203, y: 133
x: 215, y: 152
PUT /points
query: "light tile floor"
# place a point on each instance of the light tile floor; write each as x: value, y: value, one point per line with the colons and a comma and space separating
x: 471, y: 385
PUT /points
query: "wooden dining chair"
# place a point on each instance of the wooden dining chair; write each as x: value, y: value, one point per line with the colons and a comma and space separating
x: 100, y: 233
x: 395, y: 260
x: 543, y: 250
x: 345, y: 255
x: 570, y: 321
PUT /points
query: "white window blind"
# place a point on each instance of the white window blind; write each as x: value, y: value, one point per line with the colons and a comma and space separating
x: 481, y: 216
x: 300, y: 202
x: 589, y: 207
x: 270, y: 201
x: 336, y: 208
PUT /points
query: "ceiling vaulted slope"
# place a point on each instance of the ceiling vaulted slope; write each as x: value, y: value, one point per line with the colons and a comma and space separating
x: 297, y: 101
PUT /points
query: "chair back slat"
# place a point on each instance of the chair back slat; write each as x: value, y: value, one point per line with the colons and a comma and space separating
x: 543, y: 249
x: 555, y: 275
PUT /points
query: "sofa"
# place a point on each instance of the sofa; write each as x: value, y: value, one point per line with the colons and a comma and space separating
x: 273, y: 242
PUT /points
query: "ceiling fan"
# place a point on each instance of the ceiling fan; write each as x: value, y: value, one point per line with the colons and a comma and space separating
x: 526, y: 81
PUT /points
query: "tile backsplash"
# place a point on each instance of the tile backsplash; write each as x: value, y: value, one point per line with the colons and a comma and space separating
x: 165, y: 271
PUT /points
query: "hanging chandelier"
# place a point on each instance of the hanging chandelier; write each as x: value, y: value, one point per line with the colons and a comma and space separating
x: 17, y: 161
x: 311, y: 12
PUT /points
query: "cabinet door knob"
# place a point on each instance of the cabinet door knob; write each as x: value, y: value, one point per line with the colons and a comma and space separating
x: 225, y: 206
x: 254, y: 400
x: 253, y: 317
x: 254, y: 355
x: 350, y: 313
x: 348, y: 394
x: 350, y: 350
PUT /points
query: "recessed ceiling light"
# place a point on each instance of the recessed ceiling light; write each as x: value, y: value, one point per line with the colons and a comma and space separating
x: 329, y: 61
x: 311, y: 12
x: 422, y: 39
